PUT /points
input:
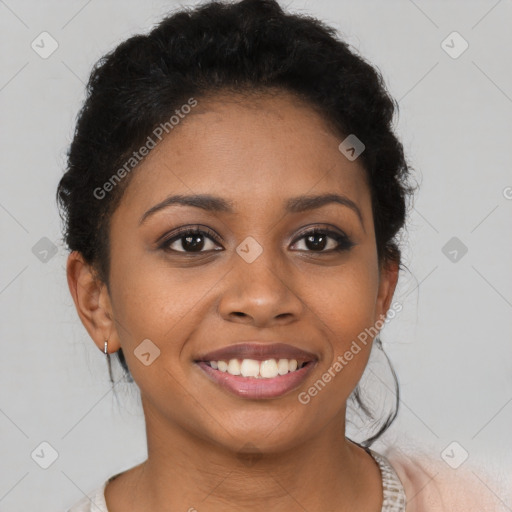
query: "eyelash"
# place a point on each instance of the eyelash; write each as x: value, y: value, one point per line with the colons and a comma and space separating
x: 343, y: 241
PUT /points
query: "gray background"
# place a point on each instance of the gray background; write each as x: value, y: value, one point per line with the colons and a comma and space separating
x: 450, y: 345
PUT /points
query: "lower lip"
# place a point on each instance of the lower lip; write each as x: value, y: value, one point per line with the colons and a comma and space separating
x: 257, y: 388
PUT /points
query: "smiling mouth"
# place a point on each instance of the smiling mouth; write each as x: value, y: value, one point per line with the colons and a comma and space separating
x: 258, y: 370
x: 252, y: 368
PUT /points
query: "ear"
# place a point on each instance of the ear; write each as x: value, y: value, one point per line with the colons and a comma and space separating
x: 92, y: 302
x: 387, y: 283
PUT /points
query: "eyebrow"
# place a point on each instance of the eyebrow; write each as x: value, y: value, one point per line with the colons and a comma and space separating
x: 212, y: 203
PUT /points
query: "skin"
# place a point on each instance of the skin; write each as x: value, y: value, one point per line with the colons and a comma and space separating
x: 256, y: 151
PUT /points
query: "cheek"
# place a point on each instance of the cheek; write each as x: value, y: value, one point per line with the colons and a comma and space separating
x: 345, y: 299
x: 159, y: 303
x: 152, y: 304
x: 343, y: 305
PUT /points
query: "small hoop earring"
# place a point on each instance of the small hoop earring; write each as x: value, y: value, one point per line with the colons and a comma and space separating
x: 105, y: 350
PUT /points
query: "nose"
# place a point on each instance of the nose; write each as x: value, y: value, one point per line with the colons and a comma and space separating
x: 260, y: 293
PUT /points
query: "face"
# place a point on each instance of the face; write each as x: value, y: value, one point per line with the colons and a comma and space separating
x: 263, y: 273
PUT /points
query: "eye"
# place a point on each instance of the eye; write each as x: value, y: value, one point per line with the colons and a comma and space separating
x: 191, y: 240
x: 195, y: 240
x: 318, y: 239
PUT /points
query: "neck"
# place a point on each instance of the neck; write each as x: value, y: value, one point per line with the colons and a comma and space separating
x: 184, y: 472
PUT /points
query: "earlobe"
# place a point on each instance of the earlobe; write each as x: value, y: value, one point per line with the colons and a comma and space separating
x: 92, y: 302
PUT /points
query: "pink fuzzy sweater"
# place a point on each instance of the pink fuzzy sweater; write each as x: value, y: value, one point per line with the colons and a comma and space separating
x: 433, y: 486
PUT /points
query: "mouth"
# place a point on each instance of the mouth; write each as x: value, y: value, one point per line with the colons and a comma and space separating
x: 252, y: 368
x: 258, y: 371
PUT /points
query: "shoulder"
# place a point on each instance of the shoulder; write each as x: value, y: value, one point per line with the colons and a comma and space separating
x: 432, y: 485
x: 94, y: 502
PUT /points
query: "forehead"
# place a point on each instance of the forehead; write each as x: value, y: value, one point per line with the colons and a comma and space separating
x: 253, y: 149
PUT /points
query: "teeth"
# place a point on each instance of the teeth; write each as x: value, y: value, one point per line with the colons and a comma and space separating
x: 257, y: 369
x: 268, y: 369
x: 250, y: 368
x: 234, y: 367
x: 283, y: 366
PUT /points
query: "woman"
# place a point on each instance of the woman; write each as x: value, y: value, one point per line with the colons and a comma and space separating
x: 232, y: 200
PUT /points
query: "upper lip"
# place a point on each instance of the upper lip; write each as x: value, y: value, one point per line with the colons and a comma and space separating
x: 259, y: 351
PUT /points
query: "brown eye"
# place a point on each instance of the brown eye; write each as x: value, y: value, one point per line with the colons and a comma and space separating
x: 191, y: 241
x: 324, y: 240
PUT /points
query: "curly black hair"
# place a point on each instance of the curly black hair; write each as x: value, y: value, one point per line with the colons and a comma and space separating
x: 248, y: 46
